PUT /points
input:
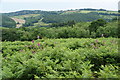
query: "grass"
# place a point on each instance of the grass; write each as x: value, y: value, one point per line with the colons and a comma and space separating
x: 28, y: 15
x: 87, y: 11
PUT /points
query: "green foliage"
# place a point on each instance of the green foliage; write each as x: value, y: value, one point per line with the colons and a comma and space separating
x: 110, y: 30
x: 77, y: 17
x: 60, y: 58
x: 78, y: 30
x: 109, y: 71
x: 10, y: 34
x: 0, y: 63
x: 96, y: 24
x: 69, y: 23
x: 8, y: 22
x: 31, y: 20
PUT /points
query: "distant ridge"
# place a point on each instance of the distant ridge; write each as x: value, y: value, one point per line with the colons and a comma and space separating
x: 68, y: 10
x: 46, y: 18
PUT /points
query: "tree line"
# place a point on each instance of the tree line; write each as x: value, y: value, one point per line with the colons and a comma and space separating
x: 95, y: 29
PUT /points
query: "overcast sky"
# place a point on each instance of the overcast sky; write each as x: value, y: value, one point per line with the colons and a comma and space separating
x: 50, y: 5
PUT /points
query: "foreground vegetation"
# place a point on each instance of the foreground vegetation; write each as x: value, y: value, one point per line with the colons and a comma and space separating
x: 61, y: 58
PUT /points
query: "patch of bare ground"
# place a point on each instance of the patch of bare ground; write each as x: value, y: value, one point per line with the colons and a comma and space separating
x: 18, y: 21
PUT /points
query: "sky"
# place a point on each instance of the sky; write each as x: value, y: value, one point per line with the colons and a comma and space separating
x: 56, y: 5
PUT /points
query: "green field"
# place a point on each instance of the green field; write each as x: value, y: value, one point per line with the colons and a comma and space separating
x: 61, y: 58
x: 25, y: 16
x: 88, y: 11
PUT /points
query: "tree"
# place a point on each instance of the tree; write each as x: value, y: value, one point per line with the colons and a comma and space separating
x: 96, y: 24
x: 71, y: 23
x: 10, y: 34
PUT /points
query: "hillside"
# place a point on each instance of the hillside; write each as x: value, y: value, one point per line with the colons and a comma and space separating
x: 46, y: 18
x: 8, y: 22
x: 19, y: 22
x: 88, y: 10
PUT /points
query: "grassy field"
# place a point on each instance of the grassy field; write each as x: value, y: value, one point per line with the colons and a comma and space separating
x: 25, y: 16
x: 40, y: 23
x: 87, y: 11
x: 61, y: 58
